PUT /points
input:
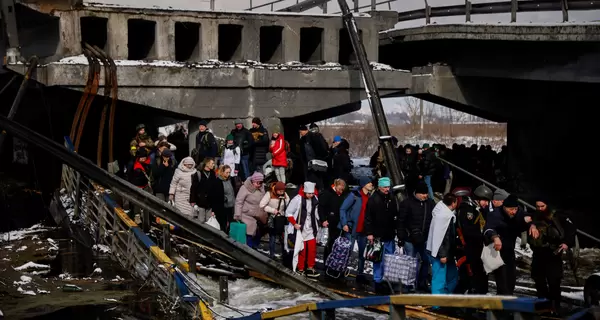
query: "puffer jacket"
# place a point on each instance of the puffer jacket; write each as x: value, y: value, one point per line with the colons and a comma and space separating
x: 271, y: 203
x: 181, y: 185
x: 247, y: 207
x: 278, y: 151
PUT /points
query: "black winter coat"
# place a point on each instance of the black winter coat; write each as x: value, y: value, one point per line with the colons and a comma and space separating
x: 415, y: 219
x: 243, y: 139
x: 381, y: 216
x: 260, y: 147
x: 202, y: 186
x: 329, y: 206
x: 162, y: 176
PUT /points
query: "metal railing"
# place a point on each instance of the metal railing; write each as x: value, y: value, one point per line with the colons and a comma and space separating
x: 494, y: 305
x: 304, y: 5
x: 93, y: 207
x: 467, y: 9
x: 512, y: 6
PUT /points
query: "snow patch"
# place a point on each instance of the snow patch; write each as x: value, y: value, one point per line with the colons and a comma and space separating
x: 24, y: 280
x: 26, y: 292
x: 97, y: 271
x: 20, y: 234
x: 22, y: 248
x: 101, y: 248
x: 32, y: 265
x: 214, y: 64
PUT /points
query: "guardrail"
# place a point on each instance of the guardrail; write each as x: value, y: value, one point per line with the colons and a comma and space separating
x: 493, y: 304
x: 93, y: 206
x: 512, y: 6
x: 467, y: 9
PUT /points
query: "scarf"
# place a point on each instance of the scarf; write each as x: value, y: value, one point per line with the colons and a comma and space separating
x: 441, y: 217
x: 304, y: 214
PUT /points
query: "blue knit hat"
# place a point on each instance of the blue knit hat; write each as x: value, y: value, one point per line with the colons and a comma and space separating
x: 337, y: 139
x: 385, y: 182
x: 363, y: 181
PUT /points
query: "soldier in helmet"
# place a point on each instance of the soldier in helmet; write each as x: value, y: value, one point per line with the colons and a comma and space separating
x: 471, y: 220
x: 140, y: 140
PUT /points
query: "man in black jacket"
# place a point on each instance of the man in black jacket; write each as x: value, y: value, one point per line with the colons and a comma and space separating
x: 163, y: 170
x: 260, y: 147
x: 313, y: 147
x: 557, y: 235
x: 243, y: 139
x: 428, y: 164
x: 330, y: 201
x: 381, y: 217
x: 414, y: 220
x: 206, y: 144
x: 503, y: 227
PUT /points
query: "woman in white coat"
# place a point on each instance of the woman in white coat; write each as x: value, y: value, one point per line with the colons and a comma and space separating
x: 179, y: 192
x: 232, y: 155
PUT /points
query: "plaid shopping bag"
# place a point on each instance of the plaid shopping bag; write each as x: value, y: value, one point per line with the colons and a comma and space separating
x: 401, y: 268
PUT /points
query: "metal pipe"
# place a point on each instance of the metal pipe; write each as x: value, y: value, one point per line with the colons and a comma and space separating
x: 161, y: 209
x: 383, y: 131
x: 583, y: 233
x: 33, y: 62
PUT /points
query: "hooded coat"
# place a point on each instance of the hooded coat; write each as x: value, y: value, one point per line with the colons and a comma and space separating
x: 247, y: 207
x: 181, y: 185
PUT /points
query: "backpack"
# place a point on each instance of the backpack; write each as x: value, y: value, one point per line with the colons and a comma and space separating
x: 287, y: 146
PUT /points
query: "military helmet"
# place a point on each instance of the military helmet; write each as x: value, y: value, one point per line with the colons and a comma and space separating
x: 140, y: 127
x: 483, y: 192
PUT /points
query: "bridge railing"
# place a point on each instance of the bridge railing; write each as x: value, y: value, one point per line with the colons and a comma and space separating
x: 467, y: 9
x: 94, y: 208
x: 520, y: 307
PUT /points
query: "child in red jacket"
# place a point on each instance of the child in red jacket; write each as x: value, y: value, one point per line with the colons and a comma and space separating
x: 279, y: 159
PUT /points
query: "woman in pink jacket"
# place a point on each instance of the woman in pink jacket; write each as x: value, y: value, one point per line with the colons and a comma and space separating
x: 247, y: 207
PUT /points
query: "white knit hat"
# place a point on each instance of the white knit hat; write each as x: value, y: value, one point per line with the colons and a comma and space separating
x: 309, y: 187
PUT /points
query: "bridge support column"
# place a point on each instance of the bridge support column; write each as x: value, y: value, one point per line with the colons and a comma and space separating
x: 209, y: 40
x: 117, y: 36
x: 70, y: 36
x: 165, y: 40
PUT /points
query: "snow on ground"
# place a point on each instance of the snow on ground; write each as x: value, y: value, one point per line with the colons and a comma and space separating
x: 20, y: 234
x: 32, y: 265
x: 214, y: 64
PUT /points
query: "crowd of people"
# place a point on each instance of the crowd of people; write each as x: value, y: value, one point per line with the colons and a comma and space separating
x: 247, y: 181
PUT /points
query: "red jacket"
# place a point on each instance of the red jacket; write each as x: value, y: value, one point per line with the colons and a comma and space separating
x: 278, y: 151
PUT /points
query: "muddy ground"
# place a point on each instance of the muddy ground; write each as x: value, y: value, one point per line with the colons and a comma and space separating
x: 38, y: 265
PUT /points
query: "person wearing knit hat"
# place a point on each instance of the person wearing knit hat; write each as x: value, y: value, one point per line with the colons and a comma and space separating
x: 238, y: 121
x: 384, y: 182
x: 247, y: 208
x: 381, y: 223
x: 260, y: 147
x: 244, y: 140
x: 303, y: 215
x: 421, y: 188
x: 232, y: 155
x: 503, y: 226
x: 337, y: 139
x: 498, y: 198
x: 274, y: 203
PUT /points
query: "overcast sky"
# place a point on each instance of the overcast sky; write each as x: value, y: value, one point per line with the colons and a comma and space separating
x: 398, y: 5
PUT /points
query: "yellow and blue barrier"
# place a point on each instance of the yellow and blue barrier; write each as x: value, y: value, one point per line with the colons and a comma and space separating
x: 398, y: 302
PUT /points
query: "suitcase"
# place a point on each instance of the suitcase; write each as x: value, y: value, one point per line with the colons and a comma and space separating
x: 338, y: 260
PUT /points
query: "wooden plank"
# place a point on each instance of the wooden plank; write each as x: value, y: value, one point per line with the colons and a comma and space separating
x: 289, y: 311
x: 454, y: 300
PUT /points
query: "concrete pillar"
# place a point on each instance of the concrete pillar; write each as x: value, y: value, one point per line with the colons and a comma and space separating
x: 291, y: 43
x: 70, y: 34
x: 251, y: 42
x: 165, y: 39
x: 209, y: 40
x: 117, y: 36
x: 331, y: 43
x: 371, y: 42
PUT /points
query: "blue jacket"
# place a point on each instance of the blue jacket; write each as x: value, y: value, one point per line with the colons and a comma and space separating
x: 350, y: 210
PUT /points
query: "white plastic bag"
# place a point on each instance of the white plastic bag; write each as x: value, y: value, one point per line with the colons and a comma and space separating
x: 491, y: 258
x: 212, y: 221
